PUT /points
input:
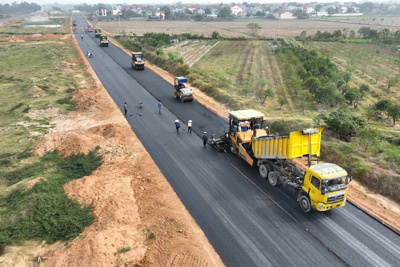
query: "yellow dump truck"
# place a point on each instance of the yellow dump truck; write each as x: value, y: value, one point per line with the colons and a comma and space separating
x: 320, y: 187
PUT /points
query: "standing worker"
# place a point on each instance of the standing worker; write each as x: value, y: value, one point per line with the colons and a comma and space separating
x: 82, y: 37
x: 190, y: 126
x: 159, y: 106
x: 177, y: 125
x: 125, y: 109
x: 205, y: 138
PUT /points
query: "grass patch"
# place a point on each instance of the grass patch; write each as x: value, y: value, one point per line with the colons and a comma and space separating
x: 45, y: 211
x: 151, y: 235
x: 123, y: 250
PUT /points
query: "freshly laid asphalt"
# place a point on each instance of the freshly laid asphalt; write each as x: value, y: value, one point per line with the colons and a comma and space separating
x: 248, y: 222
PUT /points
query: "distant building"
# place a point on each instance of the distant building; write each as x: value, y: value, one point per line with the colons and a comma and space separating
x: 100, y: 12
x: 236, y: 9
x: 284, y: 15
x: 116, y: 10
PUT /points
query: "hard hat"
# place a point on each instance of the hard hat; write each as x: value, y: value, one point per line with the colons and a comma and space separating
x: 176, y: 120
x: 205, y: 132
x: 190, y: 120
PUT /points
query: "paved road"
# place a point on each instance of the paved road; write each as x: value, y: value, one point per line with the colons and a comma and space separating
x: 248, y: 222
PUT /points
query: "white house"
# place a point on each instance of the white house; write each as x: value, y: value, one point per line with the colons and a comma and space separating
x: 116, y: 10
x: 100, y: 12
x: 284, y: 15
x: 160, y: 13
x: 236, y: 9
x: 309, y: 9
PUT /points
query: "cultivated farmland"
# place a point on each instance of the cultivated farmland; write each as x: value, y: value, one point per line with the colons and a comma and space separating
x: 269, y: 28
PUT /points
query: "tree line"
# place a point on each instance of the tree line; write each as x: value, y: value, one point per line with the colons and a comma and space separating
x: 23, y: 7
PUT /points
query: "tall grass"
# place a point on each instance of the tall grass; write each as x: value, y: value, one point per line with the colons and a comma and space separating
x: 45, y: 211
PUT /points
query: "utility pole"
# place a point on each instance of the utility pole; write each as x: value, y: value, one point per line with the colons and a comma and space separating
x: 279, y: 22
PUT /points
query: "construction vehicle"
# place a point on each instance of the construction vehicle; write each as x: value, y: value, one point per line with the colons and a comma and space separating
x: 180, y: 90
x: 103, y: 40
x: 321, y: 187
x: 137, y: 61
x: 74, y: 23
x: 90, y: 28
x: 97, y: 33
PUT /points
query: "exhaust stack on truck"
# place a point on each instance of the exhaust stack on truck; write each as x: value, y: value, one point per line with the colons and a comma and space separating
x: 320, y: 187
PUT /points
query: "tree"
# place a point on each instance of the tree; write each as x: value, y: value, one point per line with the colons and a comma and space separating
x: 207, y: 11
x: 313, y: 85
x: 282, y: 101
x: 383, y: 105
x: 225, y: 12
x: 368, y: 136
x: 364, y: 89
x: 343, y: 123
x: 305, y: 98
x: 346, y: 77
x: 392, y: 82
x: 167, y: 12
x: 263, y: 94
x: 215, y: 35
x: 352, y: 94
x: 394, y: 112
x: 198, y: 17
x: 254, y: 28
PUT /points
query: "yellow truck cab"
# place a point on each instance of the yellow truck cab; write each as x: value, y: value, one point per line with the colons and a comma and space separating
x: 326, y: 184
x: 320, y: 187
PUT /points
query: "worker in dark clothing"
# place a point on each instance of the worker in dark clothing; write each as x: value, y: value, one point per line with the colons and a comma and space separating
x: 178, y: 125
x: 125, y: 109
x: 205, y: 138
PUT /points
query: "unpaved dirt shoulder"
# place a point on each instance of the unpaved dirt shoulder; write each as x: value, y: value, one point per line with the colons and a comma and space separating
x: 132, y: 198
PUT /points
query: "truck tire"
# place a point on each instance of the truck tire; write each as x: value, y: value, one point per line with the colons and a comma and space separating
x: 273, y: 178
x: 175, y: 95
x: 132, y: 66
x: 264, y: 170
x: 305, y: 203
x: 182, y: 100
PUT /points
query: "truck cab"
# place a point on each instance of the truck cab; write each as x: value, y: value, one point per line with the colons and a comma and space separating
x: 180, y: 90
x: 97, y: 33
x: 74, y: 23
x: 103, y: 40
x: 325, y: 185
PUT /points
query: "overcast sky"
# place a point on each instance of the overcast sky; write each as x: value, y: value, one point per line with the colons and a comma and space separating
x: 91, y: 2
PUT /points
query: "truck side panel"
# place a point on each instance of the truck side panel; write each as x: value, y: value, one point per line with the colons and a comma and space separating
x: 286, y: 147
x: 271, y: 147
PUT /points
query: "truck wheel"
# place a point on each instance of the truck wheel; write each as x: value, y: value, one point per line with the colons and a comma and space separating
x: 175, y: 95
x: 182, y: 100
x: 273, y: 178
x: 305, y: 203
x: 132, y: 66
x: 264, y: 170
x: 234, y: 149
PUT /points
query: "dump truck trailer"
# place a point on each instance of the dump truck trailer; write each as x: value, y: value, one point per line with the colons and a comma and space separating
x: 319, y: 187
